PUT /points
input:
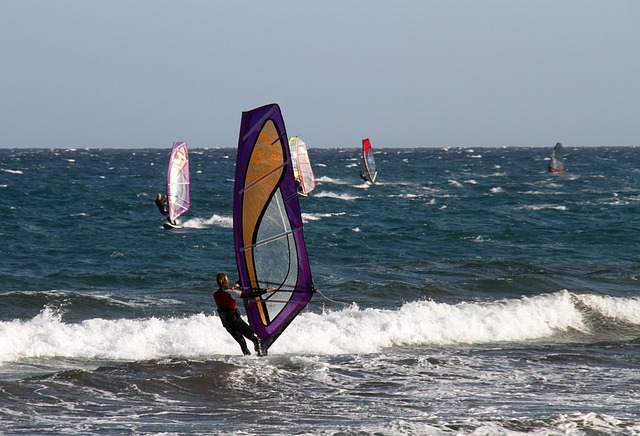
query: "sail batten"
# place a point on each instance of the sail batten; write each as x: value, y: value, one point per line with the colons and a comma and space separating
x: 258, y: 124
x: 273, y: 238
x: 249, y: 186
x: 267, y: 225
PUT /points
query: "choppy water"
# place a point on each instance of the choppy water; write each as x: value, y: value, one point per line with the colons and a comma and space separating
x: 467, y: 292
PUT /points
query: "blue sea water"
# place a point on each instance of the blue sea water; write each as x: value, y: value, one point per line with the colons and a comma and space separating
x: 469, y: 291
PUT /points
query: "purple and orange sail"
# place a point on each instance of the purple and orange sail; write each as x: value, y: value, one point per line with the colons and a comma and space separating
x: 267, y: 225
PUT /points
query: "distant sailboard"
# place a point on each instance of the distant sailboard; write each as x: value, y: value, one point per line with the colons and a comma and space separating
x: 371, y: 171
x: 557, y: 159
x: 302, y: 171
x: 267, y: 225
x: 178, y: 199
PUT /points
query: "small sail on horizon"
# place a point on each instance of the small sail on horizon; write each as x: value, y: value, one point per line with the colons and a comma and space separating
x: 267, y: 225
x: 178, y: 196
x: 371, y: 171
x: 557, y: 159
x: 302, y: 171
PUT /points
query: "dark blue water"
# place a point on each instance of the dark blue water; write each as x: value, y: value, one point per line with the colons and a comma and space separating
x: 466, y: 292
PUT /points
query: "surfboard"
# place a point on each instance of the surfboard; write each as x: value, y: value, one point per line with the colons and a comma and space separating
x: 267, y: 226
x: 169, y: 226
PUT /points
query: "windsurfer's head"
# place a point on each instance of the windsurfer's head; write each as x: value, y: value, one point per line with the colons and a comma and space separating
x: 223, y: 280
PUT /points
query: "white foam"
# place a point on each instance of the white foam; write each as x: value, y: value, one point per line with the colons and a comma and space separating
x: 352, y: 330
x: 405, y: 196
x: 306, y: 217
x: 576, y: 423
x: 214, y: 221
x: 356, y: 330
x: 363, y: 185
x: 627, y: 309
x: 545, y: 206
x: 330, y: 194
x: 47, y: 335
x: 326, y: 179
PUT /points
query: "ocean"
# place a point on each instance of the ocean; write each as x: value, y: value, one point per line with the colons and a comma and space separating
x: 468, y: 292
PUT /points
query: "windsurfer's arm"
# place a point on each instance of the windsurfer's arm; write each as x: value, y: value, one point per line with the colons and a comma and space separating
x: 259, y: 292
x: 235, y: 293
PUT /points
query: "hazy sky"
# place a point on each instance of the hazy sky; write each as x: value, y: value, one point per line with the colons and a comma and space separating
x: 145, y: 73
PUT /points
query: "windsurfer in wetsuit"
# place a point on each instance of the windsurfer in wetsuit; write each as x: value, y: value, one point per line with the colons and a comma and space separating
x: 225, y: 298
x: 161, y: 203
x: 363, y: 176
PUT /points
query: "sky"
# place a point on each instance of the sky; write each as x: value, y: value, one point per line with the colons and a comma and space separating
x: 405, y: 73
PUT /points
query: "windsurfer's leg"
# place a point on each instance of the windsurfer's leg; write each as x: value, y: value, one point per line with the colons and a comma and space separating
x: 239, y: 339
x: 246, y: 331
x: 244, y: 328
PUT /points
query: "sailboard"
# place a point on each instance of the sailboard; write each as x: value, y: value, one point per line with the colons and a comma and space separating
x: 369, y: 161
x: 178, y: 198
x: 302, y: 171
x: 167, y: 225
x: 557, y: 159
x: 267, y: 225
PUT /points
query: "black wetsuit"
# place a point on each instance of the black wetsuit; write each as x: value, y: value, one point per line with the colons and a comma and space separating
x: 162, y: 207
x: 232, y: 320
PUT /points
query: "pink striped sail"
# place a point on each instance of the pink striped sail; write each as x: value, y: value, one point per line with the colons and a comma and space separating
x: 178, y: 200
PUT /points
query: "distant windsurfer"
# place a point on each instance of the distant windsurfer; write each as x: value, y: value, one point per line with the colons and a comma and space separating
x: 299, y: 185
x: 225, y: 298
x: 363, y: 176
x: 161, y: 203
